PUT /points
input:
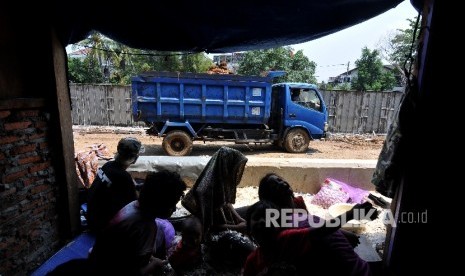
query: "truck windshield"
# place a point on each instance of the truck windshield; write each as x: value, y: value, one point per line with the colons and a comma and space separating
x: 306, y: 97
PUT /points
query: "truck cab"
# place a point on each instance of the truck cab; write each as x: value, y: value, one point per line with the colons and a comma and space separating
x: 299, y: 111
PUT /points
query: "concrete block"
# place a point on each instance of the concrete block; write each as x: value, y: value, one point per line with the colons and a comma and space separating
x: 304, y: 175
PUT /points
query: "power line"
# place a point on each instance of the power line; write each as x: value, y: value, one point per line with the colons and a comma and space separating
x: 139, y: 54
x: 332, y: 65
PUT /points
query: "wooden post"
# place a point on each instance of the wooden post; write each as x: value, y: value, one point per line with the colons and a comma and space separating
x: 66, y: 131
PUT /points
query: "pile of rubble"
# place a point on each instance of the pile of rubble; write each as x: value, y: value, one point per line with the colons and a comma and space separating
x: 221, y: 69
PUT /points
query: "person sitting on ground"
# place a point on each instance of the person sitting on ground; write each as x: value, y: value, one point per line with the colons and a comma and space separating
x: 113, y: 187
x: 187, y: 253
x: 126, y: 244
x: 299, y: 249
x: 211, y: 200
x: 275, y: 189
x: 214, y: 192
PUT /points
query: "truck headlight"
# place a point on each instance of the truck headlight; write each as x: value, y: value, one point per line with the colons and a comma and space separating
x: 326, y: 126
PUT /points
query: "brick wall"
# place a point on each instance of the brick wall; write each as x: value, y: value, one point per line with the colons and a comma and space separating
x: 28, y: 218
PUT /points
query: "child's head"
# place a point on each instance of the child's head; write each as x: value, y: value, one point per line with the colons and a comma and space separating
x: 275, y: 189
x: 160, y: 193
x: 192, y: 232
x: 128, y: 150
x: 257, y: 216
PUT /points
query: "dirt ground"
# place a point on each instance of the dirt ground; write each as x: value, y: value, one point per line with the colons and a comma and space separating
x: 336, y: 146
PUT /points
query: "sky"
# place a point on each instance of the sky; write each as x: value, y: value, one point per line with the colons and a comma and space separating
x: 332, y: 52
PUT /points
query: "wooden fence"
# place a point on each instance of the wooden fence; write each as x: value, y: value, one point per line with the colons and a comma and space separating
x: 348, y: 111
x: 360, y: 112
x: 105, y: 105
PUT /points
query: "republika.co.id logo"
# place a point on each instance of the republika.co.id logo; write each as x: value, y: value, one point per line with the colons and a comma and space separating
x: 295, y: 217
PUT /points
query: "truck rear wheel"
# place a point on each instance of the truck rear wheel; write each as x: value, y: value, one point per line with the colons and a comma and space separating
x: 177, y: 143
x: 296, y: 141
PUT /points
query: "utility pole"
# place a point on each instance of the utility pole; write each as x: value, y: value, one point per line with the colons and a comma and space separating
x: 347, y: 72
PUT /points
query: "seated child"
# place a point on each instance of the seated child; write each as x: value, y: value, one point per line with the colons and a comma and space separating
x: 187, y: 253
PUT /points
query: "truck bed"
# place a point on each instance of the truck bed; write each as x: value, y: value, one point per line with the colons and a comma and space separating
x: 201, y: 98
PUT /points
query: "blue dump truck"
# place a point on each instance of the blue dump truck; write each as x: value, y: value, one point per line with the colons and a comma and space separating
x: 183, y: 107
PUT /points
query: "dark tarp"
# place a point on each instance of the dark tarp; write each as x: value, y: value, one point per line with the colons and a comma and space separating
x: 211, y: 26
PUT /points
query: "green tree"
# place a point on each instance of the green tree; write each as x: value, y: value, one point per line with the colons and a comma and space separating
x: 396, y: 48
x: 371, y: 75
x: 198, y: 62
x: 343, y: 86
x: 387, y: 81
x: 84, y: 71
x: 112, y: 62
x: 297, y: 66
x: 100, y: 49
x: 401, y: 43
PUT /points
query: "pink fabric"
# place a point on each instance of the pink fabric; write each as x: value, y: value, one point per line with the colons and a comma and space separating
x: 356, y: 195
x: 86, y: 167
x: 329, y: 194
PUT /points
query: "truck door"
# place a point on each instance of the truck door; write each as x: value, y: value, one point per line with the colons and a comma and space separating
x: 306, y: 108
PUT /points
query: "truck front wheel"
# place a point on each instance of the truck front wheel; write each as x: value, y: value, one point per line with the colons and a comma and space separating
x: 296, y: 141
x: 177, y: 143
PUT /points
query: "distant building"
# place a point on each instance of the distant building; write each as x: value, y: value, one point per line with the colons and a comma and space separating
x: 80, y: 54
x: 348, y: 76
x: 232, y: 60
